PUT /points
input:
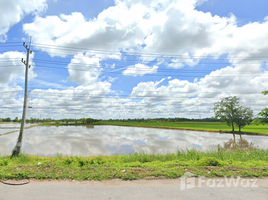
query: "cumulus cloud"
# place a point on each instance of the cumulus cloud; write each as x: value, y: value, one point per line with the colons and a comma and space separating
x: 172, y: 33
x: 189, y: 99
x: 164, y: 27
x: 12, y: 11
x: 113, y: 29
x: 84, y: 69
x: 80, y: 101
x: 140, y: 70
x: 13, y: 68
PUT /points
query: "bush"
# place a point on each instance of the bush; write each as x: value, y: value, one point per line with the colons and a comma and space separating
x: 211, y: 161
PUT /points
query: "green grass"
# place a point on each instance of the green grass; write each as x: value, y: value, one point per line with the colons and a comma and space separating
x: 210, y: 126
x: 211, y: 163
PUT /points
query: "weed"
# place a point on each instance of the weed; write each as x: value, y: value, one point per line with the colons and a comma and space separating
x: 251, y: 163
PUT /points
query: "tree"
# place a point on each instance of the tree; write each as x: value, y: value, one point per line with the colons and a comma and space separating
x: 264, y: 116
x: 244, y: 117
x: 226, y: 110
x: 7, y: 119
x: 16, y: 119
x: 264, y: 113
x: 231, y: 112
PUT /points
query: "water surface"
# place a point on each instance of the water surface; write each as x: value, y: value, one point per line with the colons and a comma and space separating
x: 9, y: 127
x: 111, y: 140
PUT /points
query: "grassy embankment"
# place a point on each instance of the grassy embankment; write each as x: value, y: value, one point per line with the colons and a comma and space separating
x: 205, y: 126
x: 202, y: 126
x: 214, y: 163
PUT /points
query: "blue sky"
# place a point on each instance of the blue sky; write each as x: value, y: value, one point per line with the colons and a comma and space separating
x: 133, y: 59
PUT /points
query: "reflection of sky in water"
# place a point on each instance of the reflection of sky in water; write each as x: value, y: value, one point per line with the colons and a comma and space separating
x: 111, y: 140
x: 17, y: 125
x: 9, y: 127
x: 3, y: 131
x: 197, y: 146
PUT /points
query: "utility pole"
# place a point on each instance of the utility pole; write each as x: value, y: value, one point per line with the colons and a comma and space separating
x: 17, y: 148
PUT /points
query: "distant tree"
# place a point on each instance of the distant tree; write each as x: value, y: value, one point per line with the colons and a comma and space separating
x: 89, y: 120
x: 264, y: 113
x: 7, y: 119
x: 226, y: 110
x: 243, y: 117
x: 83, y: 120
x: 16, y: 119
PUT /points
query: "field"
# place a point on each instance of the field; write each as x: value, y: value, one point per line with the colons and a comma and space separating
x: 213, y: 163
x: 209, y: 126
x: 210, y: 163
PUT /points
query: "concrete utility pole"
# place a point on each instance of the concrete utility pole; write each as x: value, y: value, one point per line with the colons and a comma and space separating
x: 17, y: 148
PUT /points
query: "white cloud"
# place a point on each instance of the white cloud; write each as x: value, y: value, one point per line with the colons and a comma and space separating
x: 84, y: 69
x: 140, y: 70
x: 80, y: 101
x: 165, y: 27
x: 11, y: 100
x: 12, y: 11
x: 184, y: 59
x: 161, y: 31
x: 113, y: 29
x: 13, y: 68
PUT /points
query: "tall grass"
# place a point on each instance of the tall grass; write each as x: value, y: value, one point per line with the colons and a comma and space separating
x: 238, y: 162
x: 195, y: 155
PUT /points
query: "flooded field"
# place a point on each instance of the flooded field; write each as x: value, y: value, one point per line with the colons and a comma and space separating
x: 9, y: 127
x: 112, y: 140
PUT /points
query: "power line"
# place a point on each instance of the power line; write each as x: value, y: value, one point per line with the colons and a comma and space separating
x: 134, y: 53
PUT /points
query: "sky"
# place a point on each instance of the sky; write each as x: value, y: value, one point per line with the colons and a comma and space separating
x: 119, y: 59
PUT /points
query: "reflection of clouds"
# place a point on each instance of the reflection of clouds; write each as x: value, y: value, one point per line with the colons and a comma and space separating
x: 17, y: 125
x: 110, y: 140
x: 7, y: 143
x: 10, y: 127
x: 3, y: 131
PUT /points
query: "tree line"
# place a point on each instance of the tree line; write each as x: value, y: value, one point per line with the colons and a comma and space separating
x: 176, y: 119
x: 48, y: 120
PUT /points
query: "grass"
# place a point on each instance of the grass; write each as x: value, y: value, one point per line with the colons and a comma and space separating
x: 211, y: 163
x: 209, y: 126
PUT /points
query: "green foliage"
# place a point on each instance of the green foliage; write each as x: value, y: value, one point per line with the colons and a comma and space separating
x: 263, y: 116
x: 244, y: 117
x: 265, y: 92
x: 201, y: 126
x: 16, y: 119
x: 210, y: 161
x: 155, y: 120
x: 6, y: 119
x: 137, y: 165
x: 228, y: 110
x: 88, y: 120
x: 264, y: 113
